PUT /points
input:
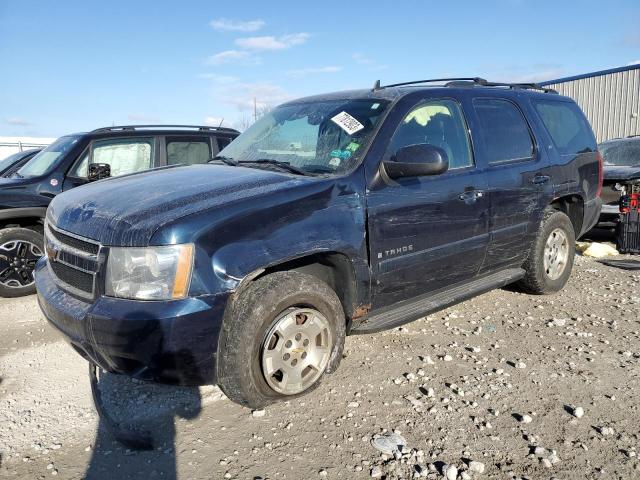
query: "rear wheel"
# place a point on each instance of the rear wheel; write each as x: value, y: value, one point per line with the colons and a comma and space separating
x: 279, y: 336
x: 550, y: 260
x: 20, y: 249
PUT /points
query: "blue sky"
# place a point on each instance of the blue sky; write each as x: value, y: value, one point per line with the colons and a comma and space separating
x: 76, y: 65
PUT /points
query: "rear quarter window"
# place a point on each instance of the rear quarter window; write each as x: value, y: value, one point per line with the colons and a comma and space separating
x: 569, y: 129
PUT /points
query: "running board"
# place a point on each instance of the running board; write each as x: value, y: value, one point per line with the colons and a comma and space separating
x: 408, y: 311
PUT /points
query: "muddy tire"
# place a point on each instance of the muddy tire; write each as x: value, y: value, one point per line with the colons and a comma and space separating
x: 548, y: 266
x: 279, y: 336
x: 20, y: 248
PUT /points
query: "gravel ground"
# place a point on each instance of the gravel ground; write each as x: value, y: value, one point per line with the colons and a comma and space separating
x: 503, y: 386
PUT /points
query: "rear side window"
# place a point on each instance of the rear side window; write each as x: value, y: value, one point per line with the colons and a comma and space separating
x: 504, y: 130
x: 188, y: 150
x: 569, y: 129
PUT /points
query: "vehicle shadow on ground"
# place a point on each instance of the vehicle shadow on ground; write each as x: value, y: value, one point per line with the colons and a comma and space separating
x: 140, y: 407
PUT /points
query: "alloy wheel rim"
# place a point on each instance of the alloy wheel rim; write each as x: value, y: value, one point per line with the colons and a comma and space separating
x: 17, y: 261
x: 296, y: 350
x: 556, y: 254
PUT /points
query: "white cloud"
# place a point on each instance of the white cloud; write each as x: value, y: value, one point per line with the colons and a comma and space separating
x: 226, y: 25
x: 272, y: 43
x: 362, y: 59
x: 230, y: 56
x: 213, y: 121
x: 17, y: 121
x: 217, y: 78
x: 242, y: 95
x: 635, y: 62
x: 140, y: 117
x: 303, y: 72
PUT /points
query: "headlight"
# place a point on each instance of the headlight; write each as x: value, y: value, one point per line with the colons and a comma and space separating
x: 149, y: 273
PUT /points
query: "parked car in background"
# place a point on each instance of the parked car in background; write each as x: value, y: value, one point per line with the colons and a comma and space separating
x: 621, y: 172
x: 75, y: 160
x: 10, y: 164
x: 342, y: 213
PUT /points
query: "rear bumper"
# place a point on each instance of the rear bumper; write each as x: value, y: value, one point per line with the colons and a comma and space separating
x: 170, y: 342
x: 592, y: 210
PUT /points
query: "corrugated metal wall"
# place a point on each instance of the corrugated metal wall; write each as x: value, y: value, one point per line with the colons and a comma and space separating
x: 610, y: 101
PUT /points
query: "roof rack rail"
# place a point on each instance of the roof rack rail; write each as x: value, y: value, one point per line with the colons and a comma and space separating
x: 467, y: 81
x: 202, y: 128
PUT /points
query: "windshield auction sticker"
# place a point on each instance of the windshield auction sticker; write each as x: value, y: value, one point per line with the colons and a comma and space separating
x: 347, y: 123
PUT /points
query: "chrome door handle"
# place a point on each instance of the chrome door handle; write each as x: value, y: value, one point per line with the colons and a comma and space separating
x: 471, y: 195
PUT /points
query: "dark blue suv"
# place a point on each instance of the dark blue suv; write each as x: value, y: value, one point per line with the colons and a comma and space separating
x: 337, y: 214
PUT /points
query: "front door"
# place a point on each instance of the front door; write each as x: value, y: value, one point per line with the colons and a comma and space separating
x: 429, y: 232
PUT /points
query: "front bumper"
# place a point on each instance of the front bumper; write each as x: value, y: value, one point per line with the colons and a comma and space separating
x: 165, y: 341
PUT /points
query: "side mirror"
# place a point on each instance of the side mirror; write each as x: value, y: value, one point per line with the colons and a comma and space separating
x: 98, y: 171
x: 417, y: 160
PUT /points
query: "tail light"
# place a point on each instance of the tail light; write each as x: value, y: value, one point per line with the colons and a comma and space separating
x: 600, y: 174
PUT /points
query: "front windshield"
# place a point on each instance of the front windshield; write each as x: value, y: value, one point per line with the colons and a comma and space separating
x: 4, y: 163
x: 41, y: 163
x: 322, y: 137
x: 624, y: 153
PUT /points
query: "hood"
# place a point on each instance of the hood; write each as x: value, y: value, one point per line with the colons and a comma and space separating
x: 16, y: 182
x: 126, y: 211
x: 614, y: 172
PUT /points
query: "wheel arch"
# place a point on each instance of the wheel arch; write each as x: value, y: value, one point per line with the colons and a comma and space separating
x: 572, y: 206
x: 22, y: 217
x: 334, y: 268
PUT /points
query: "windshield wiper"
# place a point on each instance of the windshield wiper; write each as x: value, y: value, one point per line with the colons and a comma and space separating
x: 226, y: 160
x: 276, y: 163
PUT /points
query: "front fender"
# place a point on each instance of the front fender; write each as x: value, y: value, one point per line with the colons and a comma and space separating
x: 324, y: 215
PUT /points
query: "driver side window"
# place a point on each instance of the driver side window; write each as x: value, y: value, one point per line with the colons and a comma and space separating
x: 439, y: 123
x: 124, y: 155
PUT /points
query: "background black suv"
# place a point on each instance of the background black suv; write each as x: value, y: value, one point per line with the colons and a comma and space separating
x: 26, y: 193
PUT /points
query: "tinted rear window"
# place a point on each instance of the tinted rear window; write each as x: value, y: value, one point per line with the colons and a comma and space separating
x: 569, y: 129
x: 504, y: 129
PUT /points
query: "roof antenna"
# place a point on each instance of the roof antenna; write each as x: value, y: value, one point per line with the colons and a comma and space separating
x: 376, y: 86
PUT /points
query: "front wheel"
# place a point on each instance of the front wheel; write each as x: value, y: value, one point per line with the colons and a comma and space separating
x: 20, y: 249
x: 279, y: 336
x: 550, y: 261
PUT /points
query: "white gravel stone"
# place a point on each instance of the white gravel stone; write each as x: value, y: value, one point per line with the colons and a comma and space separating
x: 526, y: 419
x: 450, y: 472
x: 476, y: 467
x: 577, y: 412
x: 258, y: 413
x: 376, y: 472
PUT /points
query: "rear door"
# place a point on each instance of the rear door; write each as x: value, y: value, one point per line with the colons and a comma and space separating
x: 428, y: 232
x: 515, y: 171
x: 189, y: 149
x: 123, y: 154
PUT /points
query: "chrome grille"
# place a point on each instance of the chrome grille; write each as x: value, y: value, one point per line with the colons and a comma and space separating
x: 73, y: 261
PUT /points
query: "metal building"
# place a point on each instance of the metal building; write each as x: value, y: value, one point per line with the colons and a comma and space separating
x: 609, y: 98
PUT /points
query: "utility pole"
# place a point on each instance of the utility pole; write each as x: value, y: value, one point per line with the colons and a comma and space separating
x: 255, y: 109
